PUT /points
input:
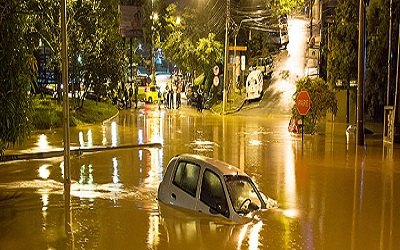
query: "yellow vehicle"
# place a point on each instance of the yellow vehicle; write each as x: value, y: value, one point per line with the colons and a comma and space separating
x: 142, y: 83
x: 152, y: 94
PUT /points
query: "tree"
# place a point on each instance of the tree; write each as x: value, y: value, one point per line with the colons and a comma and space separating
x: 343, y: 47
x: 96, y: 52
x: 377, y: 54
x: 17, y: 71
x: 323, y: 99
x: 288, y: 6
x: 209, y: 52
x: 187, y: 47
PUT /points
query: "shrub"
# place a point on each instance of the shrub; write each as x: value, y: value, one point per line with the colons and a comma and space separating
x: 323, y: 99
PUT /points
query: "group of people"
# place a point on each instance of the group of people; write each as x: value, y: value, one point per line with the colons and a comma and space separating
x: 172, y: 95
x: 127, y: 96
x: 123, y: 97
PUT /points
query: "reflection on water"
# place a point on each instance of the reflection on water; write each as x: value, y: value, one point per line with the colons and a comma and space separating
x: 114, y: 134
x: 115, y: 176
x: 153, y: 234
x: 42, y: 143
x: 185, y: 228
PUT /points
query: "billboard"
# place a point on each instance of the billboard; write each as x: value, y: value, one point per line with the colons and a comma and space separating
x: 131, y: 21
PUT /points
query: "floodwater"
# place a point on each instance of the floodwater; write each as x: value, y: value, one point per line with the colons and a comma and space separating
x: 331, y: 194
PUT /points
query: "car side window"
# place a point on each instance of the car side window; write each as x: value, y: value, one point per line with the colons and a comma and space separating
x: 212, y: 193
x: 186, y: 177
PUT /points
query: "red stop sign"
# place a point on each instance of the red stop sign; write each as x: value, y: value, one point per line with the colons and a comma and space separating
x: 303, y: 102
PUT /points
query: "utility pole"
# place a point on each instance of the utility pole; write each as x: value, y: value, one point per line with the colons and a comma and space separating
x: 64, y: 72
x: 389, y: 110
x: 153, y: 30
x: 361, y: 74
x: 389, y: 65
x: 311, y: 14
x: 224, y: 93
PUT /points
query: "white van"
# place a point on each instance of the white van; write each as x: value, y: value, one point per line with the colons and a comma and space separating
x: 254, y: 85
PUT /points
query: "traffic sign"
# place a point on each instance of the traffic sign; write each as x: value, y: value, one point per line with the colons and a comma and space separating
x: 216, y: 81
x: 303, y: 102
x: 216, y: 70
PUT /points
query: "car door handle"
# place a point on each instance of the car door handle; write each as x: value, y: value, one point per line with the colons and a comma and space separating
x: 173, y: 196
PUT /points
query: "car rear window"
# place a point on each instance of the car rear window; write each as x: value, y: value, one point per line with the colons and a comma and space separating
x: 186, y: 177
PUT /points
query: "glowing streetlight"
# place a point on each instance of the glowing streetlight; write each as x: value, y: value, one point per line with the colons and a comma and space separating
x: 155, y: 17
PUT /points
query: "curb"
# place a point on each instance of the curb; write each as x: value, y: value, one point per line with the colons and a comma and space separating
x: 109, y: 119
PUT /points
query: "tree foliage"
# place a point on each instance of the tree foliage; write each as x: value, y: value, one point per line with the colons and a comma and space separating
x: 187, y: 47
x: 323, y: 99
x: 343, y: 44
x: 343, y: 49
x: 377, y: 54
x: 289, y: 6
x: 25, y: 25
x: 17, y: 71
x: 96, y: 55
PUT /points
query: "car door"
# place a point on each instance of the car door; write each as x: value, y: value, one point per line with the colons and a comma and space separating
x: 212, y: 195
x: 184, y: 185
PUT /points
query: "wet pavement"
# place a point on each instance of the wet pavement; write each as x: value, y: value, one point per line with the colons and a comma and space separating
x: 332, y: 194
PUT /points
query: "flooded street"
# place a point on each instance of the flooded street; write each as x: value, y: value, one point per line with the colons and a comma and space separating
x: 331, y: 193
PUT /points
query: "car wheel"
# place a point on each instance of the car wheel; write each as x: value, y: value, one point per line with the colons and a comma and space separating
x: 150, y: 100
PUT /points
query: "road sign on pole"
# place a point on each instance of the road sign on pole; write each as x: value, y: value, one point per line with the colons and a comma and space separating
x: 303, y: 102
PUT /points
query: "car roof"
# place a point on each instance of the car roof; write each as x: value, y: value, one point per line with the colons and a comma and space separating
x: 212, y: 163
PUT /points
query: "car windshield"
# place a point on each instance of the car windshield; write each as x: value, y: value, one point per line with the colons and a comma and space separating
x: 243, y: 194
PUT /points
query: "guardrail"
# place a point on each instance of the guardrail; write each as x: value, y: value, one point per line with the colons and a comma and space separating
x: 74, y: 152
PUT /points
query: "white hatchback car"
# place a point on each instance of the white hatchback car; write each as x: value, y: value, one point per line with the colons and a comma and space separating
x: 211, y: 187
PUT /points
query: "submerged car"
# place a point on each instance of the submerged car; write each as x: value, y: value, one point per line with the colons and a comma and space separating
x: 211, y: 187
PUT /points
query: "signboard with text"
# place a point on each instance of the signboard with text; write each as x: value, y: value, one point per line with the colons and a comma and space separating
x: 131, y: 21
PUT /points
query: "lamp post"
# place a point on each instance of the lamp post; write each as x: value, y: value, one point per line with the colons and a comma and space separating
x: 311, y: 16
x: 361, y: 74
x: 64, y: 72
x: 224, y: 94
x: 154, y: 17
